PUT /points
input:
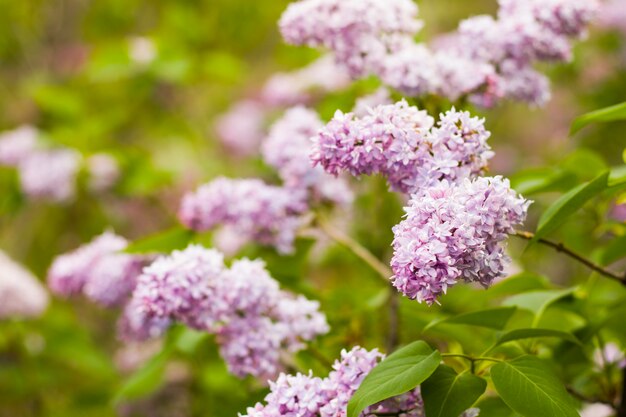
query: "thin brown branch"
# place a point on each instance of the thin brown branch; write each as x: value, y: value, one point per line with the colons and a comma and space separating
x: 355, y: 247
x: 559, y: 247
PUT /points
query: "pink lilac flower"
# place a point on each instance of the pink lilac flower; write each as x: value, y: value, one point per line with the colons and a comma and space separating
x: 454, y: 232
x: 568, y: 17
x: 50, y: 175
x: 292, y: 395
x: 470, y: 63
x: 242, y: 127
x: 287, y: 148
x: 358, y: 32
x: 610, y: 355
x: 298, y: 87
x: 402, y: 143
x: 415, y: 70
x: 17, y: 145
x: 103, y: 170
x: 597, y: 410
x: 181, y: 287
x: 263, y: 213
x: 137, y: 324
x: 612, y: 15
x: 255, y: 322
x: 98, y: 269
x: 304, y: 395
x: 21, y: 294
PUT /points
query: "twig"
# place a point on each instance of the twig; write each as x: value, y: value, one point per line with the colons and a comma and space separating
x: 355, y: 247
x: 586, y: 399
x: 559, y: 247
x: 469, y: 358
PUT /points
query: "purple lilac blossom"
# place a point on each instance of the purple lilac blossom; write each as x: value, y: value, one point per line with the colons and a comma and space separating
x: 50, y: 175
x: 242, y: 127
x: 402, y: 143
x: 287, y: 148
x: 358, y: 32
x: 454, y: 232
x: 104, y: 171
x: 473, y: 62
x: 255, y: 322
x: 304, y: 395
x: 17, y: 145
x: 612, y: 15
x: 298, y: 87
x: 263, y: 213
x: 21, y: 294
x: 98, y: 270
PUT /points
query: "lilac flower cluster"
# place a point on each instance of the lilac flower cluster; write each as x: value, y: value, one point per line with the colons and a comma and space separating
x: 21, y: 294
x: 300, y: 86
x: 358, y: 32
x: 403, y: 144
x: 255, y: 322
x: 50, y: 174
x: 304, y: 395
x: 287, y: 149
x: 242, y: 127
x: 454, y: 232
x: 99, y: 270
x: 487, y: 59
x: 264, y: 213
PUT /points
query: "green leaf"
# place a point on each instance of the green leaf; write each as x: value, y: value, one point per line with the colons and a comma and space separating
x: 495, y: 407
x: 146, y: 380
x: 617, y: 176
x: 400, y: 372
x: 613, y: 252
x: 568, y: 204
x: 608, y: 114
x: 537, y: 301
x: 167, y: 241
x: 492, y: 318
x: 541, y: 180
x: 519, y: 283
x: 519, y: 334
x: 447, y: 394
x: 530, y: 388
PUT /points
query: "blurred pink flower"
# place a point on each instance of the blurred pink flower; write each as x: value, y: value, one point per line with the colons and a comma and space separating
x: 21, y: 294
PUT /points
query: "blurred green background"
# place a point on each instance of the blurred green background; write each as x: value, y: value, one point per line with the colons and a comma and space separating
x: 67, y: 67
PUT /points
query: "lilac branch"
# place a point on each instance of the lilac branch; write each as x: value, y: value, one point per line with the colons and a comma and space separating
x: 559, y: 247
